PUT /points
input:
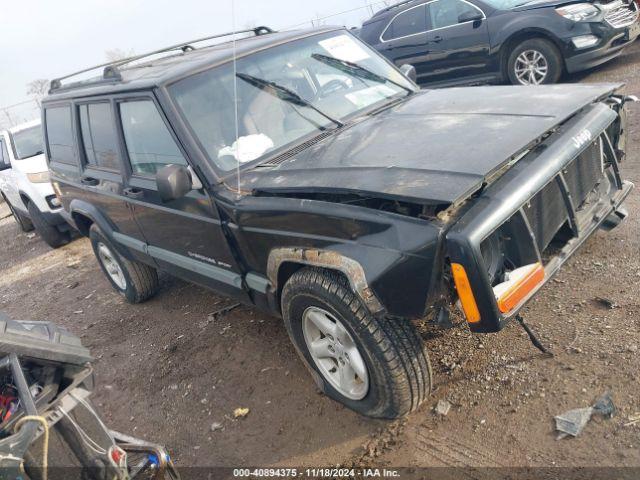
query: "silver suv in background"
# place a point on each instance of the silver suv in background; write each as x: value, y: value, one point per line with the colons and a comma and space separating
x: 25, y: 185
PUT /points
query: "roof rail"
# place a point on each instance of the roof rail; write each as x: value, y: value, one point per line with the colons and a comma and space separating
x: 392, y: 7
x: 111, y: 69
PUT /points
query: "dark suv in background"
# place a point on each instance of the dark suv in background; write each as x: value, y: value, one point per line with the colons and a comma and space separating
x: 524, y: 42
x: 302, y: 173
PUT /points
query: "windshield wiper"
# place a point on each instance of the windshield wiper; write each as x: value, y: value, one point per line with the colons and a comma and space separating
x: 357, y: 70
x: 285, y: 94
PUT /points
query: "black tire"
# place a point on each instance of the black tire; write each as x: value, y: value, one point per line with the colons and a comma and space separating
x: 22, y: 220
x: 395, y: 356
x: 141, y: 281
x: 550, y: 54
x: 49, y: 233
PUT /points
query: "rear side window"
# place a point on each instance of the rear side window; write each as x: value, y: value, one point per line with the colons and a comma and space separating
x: 149, y: 144
x: 60, y: 135
x: 409, y: 22
x: 98, y: 136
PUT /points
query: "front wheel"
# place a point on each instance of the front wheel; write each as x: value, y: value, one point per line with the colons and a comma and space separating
x: 534, y: 62
x: 22, y: 220
x: 49, y: 233
x: 374, y: 365
x: 135, y: 281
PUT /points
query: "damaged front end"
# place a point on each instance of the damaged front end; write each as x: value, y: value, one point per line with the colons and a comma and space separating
x: 526, y: 224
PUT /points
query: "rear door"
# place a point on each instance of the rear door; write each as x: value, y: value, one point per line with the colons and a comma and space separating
x: 184, y: 236
x: 460, y: 49
x: 405, y: 40
x: 84, y: 156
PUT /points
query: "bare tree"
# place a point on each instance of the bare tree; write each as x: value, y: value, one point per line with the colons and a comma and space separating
x: 37, y: 89
x: 116, y: 54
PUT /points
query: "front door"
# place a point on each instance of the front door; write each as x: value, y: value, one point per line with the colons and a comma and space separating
x: 184, y: 236
x: 460, y: 48
x: 7, y: 182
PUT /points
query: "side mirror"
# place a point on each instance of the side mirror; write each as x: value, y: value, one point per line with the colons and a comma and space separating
x: 174, y: 181
x: 409, y: 71
x: 470, y: 16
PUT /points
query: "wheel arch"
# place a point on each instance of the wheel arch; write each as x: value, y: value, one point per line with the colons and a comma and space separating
x: 284, y: 262
x: 25, y: 198
x: 84, y: 215
x: 527, y: 34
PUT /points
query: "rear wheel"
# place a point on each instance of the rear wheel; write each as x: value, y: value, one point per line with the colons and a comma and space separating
x: 135, y: 281
x: 374, y: 365
x: 534, y: 62
x: 49, y: 233
x: 22, y: 220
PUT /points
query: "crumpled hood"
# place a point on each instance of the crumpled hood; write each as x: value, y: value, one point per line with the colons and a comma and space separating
x: 437, y: 147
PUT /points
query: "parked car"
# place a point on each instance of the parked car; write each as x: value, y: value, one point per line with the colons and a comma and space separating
x: 25, y: 185
x: 452, y: 42
x: 344, y: 199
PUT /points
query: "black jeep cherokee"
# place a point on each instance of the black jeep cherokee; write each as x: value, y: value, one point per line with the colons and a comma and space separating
x: 300, y: 172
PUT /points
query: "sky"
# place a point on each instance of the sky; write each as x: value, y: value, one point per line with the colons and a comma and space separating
x: 47, y: 38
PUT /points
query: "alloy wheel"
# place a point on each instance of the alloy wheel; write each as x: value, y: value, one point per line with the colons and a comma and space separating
x: 335, y: 353
x: 111, y: 265
x: 531, y: 67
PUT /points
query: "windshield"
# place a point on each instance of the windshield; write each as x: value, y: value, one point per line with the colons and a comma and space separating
x: 28, y: 142
x: 284, y: 94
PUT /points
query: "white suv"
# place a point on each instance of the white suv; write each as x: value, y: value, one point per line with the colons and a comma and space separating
x: 25, y: 186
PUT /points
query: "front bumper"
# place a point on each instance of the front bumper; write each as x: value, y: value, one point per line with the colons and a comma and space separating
x: 55, y: 219
x: 614, y: 41
x: 546, y: 193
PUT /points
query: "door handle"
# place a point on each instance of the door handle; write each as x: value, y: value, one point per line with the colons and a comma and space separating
x: 92, y: 182
x: 437, y: 39
x: 133, y: 192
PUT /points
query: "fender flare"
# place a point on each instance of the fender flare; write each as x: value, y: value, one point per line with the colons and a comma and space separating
x: 92, y: 213
x: 325, y: 259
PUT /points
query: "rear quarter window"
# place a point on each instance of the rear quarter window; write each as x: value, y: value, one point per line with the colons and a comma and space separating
x: 60, y: 135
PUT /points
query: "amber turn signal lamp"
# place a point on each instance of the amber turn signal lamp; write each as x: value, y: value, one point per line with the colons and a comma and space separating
x: 521, y: 282
x: 468, y: 301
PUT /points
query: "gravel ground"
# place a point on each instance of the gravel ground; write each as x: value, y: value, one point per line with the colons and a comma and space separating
x: 172, y: 371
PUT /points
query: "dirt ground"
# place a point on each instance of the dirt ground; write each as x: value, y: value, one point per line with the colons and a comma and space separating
x: 172, y: 372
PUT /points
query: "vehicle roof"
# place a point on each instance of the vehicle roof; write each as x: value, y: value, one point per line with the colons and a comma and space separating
x: 163, y: 70
x: 24, y: 126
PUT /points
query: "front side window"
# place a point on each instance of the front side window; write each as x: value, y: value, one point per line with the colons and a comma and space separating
x: 149, y: 144
x: 407, y: 23
x: 98, y: 136
x: 284, y: 94
x: 445, y: 13
x: 28, y: 142
x: 60, y: 135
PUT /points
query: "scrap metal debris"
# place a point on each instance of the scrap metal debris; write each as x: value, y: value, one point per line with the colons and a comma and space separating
x: 240, y: 412
x: 633, y: 420
x: 221, y: 311
x: 443, y: 407
x: 573, y: 421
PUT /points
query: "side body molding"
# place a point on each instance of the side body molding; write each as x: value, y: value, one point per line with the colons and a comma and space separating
x: 327, y: 259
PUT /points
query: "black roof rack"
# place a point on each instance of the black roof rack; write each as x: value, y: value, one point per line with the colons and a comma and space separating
x: 111, y: 69
x: 392, y: 7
